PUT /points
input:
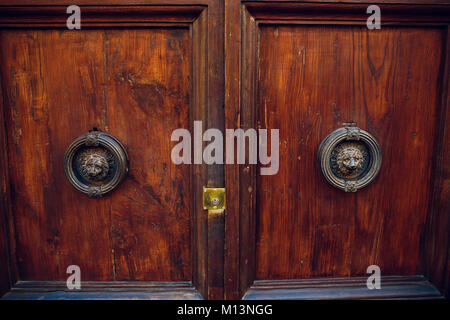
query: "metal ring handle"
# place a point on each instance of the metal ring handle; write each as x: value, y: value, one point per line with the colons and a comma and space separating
x: 349, y: 158
x: 95, y: 163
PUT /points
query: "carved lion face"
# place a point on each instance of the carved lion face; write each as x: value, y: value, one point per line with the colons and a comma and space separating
x: 349, y: 160
x: 94, y: 167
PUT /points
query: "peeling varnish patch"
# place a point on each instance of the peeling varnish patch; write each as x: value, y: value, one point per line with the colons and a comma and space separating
x: 17, y: 134
x: 302, y: 53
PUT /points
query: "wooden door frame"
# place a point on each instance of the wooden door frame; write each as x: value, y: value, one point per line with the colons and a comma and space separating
x: 204, y: 19
x: 242, y: 19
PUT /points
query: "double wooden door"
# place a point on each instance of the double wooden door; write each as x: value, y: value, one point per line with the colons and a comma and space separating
x: 140, y: 69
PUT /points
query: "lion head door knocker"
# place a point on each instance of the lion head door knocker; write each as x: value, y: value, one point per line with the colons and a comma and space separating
x: 95, y: 163
x: 349, y: 158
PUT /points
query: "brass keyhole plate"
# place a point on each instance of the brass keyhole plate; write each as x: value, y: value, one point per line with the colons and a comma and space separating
x: 213, y: 198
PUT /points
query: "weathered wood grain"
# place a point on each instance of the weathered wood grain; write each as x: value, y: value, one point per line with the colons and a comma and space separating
x: 147, y: 98
x: 215, y: 172
x: 137, y: 84
x: 311, y: 80
x: 59, y: 85
x: 49, y: 102
x: 140, y: 68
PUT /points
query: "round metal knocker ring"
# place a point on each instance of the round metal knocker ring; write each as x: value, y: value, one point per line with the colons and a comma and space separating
x: 349, y: 158
x: 95, y: 163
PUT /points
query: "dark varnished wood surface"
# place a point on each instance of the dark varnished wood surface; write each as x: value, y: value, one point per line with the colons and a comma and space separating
x: 232, y: 99
x: 132, y: 84
x: 151, y: 214
x: 137, y: 84
x: 311, y: 80
x: 369, y: 78
x: 153, y: 227
x: 436, y: 246
x: 5, y: 253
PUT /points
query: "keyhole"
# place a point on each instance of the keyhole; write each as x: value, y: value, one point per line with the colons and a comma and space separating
x: 214, y: 201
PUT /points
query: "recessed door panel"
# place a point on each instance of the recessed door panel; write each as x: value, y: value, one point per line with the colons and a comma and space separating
x: 133, y: 84
x: 312, y: 79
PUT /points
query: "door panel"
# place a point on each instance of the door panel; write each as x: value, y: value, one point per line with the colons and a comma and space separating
x: 311, y: 80
x: 137, y: 73
x: 306, y: 70
x: 132, y: 84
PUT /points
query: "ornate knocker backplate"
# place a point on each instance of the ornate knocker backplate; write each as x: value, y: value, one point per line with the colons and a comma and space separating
x: 349, y: 158
x: 95, y: 163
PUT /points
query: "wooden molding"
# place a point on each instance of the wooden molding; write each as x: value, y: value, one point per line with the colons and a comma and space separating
x: 436, y: 246
x: 57, y: 290
x: 232, y: 103
x: 100, y: 15
x: 6, y: 249
x: 116, y: 3
x: 392, y: 287
x: 334, y: 12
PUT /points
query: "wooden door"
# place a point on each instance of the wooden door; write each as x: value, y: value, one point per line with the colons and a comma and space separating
x: 306, y: 69
x: 137, y: 72
x: 139, y: 69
